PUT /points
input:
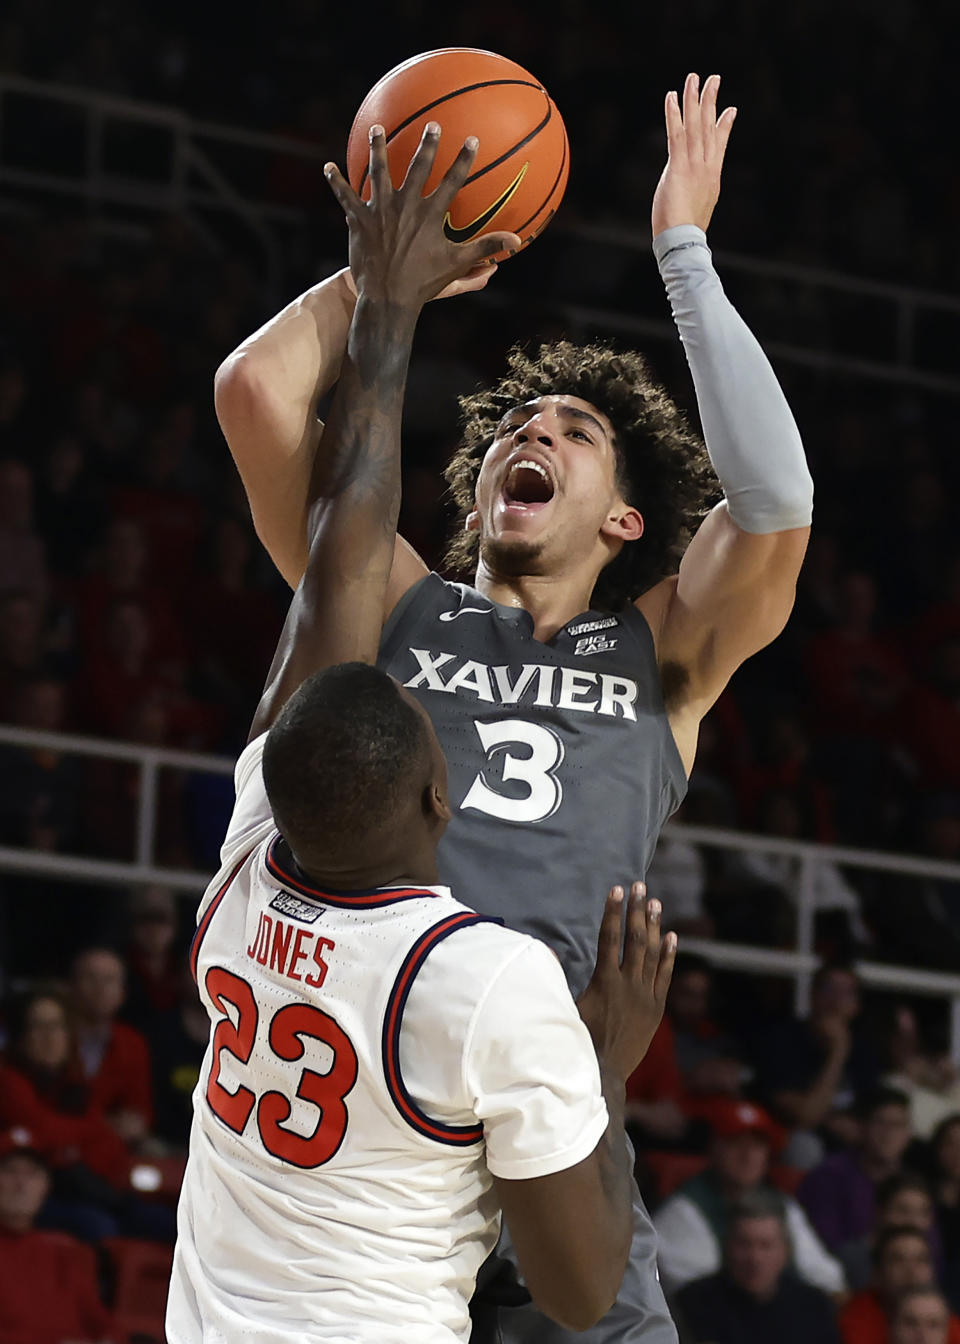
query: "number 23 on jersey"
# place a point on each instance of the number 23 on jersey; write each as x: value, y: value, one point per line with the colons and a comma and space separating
x: 236, y: 1034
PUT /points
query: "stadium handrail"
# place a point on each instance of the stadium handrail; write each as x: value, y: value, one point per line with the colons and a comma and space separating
x: 197, y: 181
x: 798, y: 963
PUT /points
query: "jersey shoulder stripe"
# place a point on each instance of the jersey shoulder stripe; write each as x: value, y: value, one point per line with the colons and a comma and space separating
x: 458, y: 1135
x: 284, y: 870
x: 208, y: 914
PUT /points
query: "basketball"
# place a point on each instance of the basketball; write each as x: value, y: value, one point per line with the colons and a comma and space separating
x: 520, y: 172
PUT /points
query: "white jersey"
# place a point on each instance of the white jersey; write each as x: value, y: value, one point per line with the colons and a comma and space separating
x: 375, y: 1056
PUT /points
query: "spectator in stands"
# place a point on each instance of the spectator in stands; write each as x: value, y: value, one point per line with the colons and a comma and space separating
x: 48, y: 1282
x: 22, y: 651
x: 22, y: 562
x: 654, y: 1107
x: 920, y: 1316
x: 945, y: 1154
x: 901, y: 1260
x: 692, y: 1224
x: 153, y: 957
x: 69, y: 505
x: 856, y: 674
x: 40, y: 788
x: 43, y: 1089
x: 810, y: 1070
x: 710, y: 1061
x: 903, y: 1200
x: 782, y: 814
x: 178, y: 1042
x: 119, y: 672
x: 754, y: 1298
x: 114, y: 1057
x: 840, y: 1195
x: 922, y: 1068
x: 122, y: 571
x: 233, y: 624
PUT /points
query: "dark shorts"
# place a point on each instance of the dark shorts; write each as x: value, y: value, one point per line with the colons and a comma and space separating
x: 503, y: 1313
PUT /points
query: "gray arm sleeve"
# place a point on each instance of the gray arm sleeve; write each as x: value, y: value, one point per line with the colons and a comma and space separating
x: 751, y: 435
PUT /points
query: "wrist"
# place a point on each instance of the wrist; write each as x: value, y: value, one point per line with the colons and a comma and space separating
x: 678, y: 238
x: 613, y: 1080
x: 391, y: 320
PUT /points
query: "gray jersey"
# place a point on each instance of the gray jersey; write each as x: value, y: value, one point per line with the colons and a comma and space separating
x: 562, y: 764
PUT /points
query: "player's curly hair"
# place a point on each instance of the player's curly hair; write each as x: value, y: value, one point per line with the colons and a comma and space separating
x: 662, y: 465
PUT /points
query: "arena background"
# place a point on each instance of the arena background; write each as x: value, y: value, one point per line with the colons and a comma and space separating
x: 138, y: 245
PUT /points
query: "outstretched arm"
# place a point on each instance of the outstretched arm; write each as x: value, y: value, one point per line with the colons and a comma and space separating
x: 266, y: 395
x: 400, y: 258
x: 736, y: 583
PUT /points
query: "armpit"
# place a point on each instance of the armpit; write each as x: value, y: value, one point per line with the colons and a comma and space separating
x: 674, y: 683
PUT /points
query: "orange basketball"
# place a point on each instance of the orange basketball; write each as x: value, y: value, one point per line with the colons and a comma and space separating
x: 520, y: 172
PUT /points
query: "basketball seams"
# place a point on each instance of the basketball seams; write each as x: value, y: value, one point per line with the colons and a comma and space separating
x: 550, y: 194
x: 515, y: 149
x: 447, y: 97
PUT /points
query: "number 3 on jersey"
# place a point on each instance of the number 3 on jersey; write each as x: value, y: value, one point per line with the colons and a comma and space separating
x: 288, y: 1026
x: 534, y: 770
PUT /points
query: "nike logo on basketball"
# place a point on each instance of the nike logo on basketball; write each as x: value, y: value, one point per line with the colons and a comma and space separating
x: 477, y: 225
x: 463, y: 611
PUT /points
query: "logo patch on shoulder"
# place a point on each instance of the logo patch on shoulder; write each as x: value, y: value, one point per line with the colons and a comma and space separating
x: 593, y: 644
x: 294, y: 908
x: 590, y: 627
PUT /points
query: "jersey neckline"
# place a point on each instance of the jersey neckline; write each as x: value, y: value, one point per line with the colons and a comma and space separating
x: 283, y: 868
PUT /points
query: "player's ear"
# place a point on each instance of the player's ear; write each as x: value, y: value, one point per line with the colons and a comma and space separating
x: 623, y: 522
x: 435, y: 803
x: 472, y: 521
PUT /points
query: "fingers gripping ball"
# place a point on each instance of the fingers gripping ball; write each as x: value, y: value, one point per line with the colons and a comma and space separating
x: 521, y: 169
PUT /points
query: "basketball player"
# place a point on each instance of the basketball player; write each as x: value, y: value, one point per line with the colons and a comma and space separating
x: 386, y: 1067
x: 567, y: 684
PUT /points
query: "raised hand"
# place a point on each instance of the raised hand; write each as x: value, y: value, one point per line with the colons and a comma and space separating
x: 696, y: 143
x: 623, y: 1004
x: 399, y: 253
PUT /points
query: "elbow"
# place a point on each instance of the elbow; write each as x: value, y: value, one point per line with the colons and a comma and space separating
x: 237, y: 387
x: 577, y: 1307
x: 579, y: 1295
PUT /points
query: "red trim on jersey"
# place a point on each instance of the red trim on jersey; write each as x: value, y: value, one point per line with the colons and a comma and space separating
x: 370, y: 899
x: 459, y: 1135
x: 209, y: 913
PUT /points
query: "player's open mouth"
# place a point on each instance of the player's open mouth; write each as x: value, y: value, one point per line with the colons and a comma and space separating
x: 528, y: 485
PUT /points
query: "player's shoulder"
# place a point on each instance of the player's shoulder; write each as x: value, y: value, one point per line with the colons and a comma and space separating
x: 475, y: 952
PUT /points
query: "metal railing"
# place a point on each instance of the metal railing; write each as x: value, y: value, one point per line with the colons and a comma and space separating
x: 211, y: 168
x: 196, y: 166
x: 797, y: 964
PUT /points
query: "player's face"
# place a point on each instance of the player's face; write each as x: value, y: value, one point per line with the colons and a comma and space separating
x: 547, y: 486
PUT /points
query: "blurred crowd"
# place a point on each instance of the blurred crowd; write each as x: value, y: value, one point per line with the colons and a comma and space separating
x: 806, y: 1175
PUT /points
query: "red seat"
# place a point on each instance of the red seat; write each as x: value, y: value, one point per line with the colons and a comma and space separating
x: 141, y: 1280
x: 672, y: 1169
